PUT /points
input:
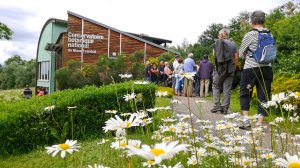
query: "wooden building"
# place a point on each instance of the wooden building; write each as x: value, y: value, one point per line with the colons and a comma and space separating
x: 83, y: 39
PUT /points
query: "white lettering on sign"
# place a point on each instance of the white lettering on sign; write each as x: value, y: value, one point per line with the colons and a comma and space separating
x: 82, y: 41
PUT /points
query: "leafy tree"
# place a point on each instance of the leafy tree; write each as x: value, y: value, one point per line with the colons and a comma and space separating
x: 16, y: 73
x: 239, y: 26
x: 210, y: 34
x: 14, y: 60
x: 5, y: 32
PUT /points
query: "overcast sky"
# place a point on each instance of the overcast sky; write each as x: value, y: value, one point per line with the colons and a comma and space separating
x: 169, y: 19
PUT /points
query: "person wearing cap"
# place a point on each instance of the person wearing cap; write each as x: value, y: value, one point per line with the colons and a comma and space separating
x: 224, y: 53
x: 254, y: 73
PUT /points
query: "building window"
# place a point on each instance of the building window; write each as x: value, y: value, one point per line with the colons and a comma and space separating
x: 44, y: 70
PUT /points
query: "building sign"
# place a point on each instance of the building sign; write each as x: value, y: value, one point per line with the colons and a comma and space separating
x: 81, y: 42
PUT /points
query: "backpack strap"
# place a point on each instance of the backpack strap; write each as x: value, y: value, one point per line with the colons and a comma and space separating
x: 262, y: 31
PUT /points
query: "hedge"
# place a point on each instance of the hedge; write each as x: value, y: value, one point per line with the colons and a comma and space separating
x: 26, y: 125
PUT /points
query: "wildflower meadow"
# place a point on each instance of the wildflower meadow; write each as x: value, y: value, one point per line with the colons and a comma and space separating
x: 160, y: 136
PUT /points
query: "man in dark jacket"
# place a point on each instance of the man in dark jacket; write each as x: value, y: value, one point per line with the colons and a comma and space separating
x: 224, y: 52
x: 205, y: 73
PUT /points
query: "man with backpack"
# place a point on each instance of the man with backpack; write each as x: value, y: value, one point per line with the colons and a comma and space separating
x: 224, y: 53
x: 258, y: 49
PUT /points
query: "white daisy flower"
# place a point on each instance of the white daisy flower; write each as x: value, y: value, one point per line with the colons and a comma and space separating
x: 97, y: 166
x: 128, y: 97
x: 169, y: 119
x: 279, y: 119
x: 67, y: 147
x: 103, y: 141
x: 192, y: 161
x: 174, y: 101
x: 200, y: 101
x: 270, y: 155
x: 49, y: 108
x: 125, y: 75
x: 291, y: 161
x: 111, y: 111
x: 71, y: 107
x: 160, y: 94
x: 159, y: 152
x: 118, y: 125
x: 178, y: 165
x: 288, y: 107
x: 152, y: 110
x: 141, y: 82
x: 279, y: 97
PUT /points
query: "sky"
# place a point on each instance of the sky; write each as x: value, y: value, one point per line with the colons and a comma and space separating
x: 174, y: 20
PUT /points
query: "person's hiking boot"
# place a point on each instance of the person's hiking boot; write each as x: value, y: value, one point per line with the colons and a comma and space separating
x: 213, y: 110
x: 245, y: 127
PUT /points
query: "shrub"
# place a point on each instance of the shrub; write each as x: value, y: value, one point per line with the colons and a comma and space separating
x: 291, y: 82
x: 25, y: 125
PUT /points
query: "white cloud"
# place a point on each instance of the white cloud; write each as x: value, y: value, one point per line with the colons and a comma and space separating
x: 169, y: 19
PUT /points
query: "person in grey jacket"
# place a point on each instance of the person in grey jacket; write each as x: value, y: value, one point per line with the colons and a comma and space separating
x: 254, y: 73
x: 224, y: 53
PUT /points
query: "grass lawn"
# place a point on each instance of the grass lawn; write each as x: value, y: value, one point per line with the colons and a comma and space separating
x: 90, y: 152
x: 12, y: 94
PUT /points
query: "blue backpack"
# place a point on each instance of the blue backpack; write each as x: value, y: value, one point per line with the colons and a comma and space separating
x: 266, y: 50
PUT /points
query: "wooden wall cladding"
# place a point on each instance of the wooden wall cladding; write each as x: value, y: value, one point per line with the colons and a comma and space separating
x: 129, y: 45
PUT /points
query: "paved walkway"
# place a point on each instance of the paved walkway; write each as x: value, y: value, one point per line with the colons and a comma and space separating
x: 202, y: 111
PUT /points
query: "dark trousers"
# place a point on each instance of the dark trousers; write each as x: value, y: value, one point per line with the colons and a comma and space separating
x: 261, y: 77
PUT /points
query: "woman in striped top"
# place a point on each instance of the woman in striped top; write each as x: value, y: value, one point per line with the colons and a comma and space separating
x: 254, y: 73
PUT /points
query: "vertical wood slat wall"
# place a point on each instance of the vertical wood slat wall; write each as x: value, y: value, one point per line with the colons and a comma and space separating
x: 113, y: 42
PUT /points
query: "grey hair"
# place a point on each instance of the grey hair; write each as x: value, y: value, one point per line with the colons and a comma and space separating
x: 190, y: 55
x: 225, y: 33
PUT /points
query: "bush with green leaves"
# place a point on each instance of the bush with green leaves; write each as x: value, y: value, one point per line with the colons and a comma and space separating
x: 25, y: 124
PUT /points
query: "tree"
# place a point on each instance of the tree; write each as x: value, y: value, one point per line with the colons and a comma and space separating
x: 5, y: 32
x: 239, y: 26
x: 210, y: 34
x: 14, y: 60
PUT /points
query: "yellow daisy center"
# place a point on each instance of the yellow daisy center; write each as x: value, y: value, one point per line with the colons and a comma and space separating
x: 268, y: 156
x: 150, y: 162
x: 172, y: 129
x: 247, y: 162
x: 123, y: 144
x: 64, y: 146
x: 157, y: 151
x: 128, y: 124
x: 294, y: 165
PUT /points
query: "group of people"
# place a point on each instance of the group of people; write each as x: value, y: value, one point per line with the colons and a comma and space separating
x: 27, y: 92
x: 173, y: 76
x: 226, y: 55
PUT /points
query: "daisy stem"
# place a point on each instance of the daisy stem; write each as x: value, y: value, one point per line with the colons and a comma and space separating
x: 65, y: 160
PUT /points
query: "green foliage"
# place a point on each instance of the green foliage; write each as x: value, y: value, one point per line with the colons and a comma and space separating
x: 169, y: 57
x: 16, y: 73
x: 76, y: 75
x: 210, y: 34
x: 290, y: 83
x: 5, y: 32
x: 110, y: 67
x: 25, y: 125
x: 137, y: 65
